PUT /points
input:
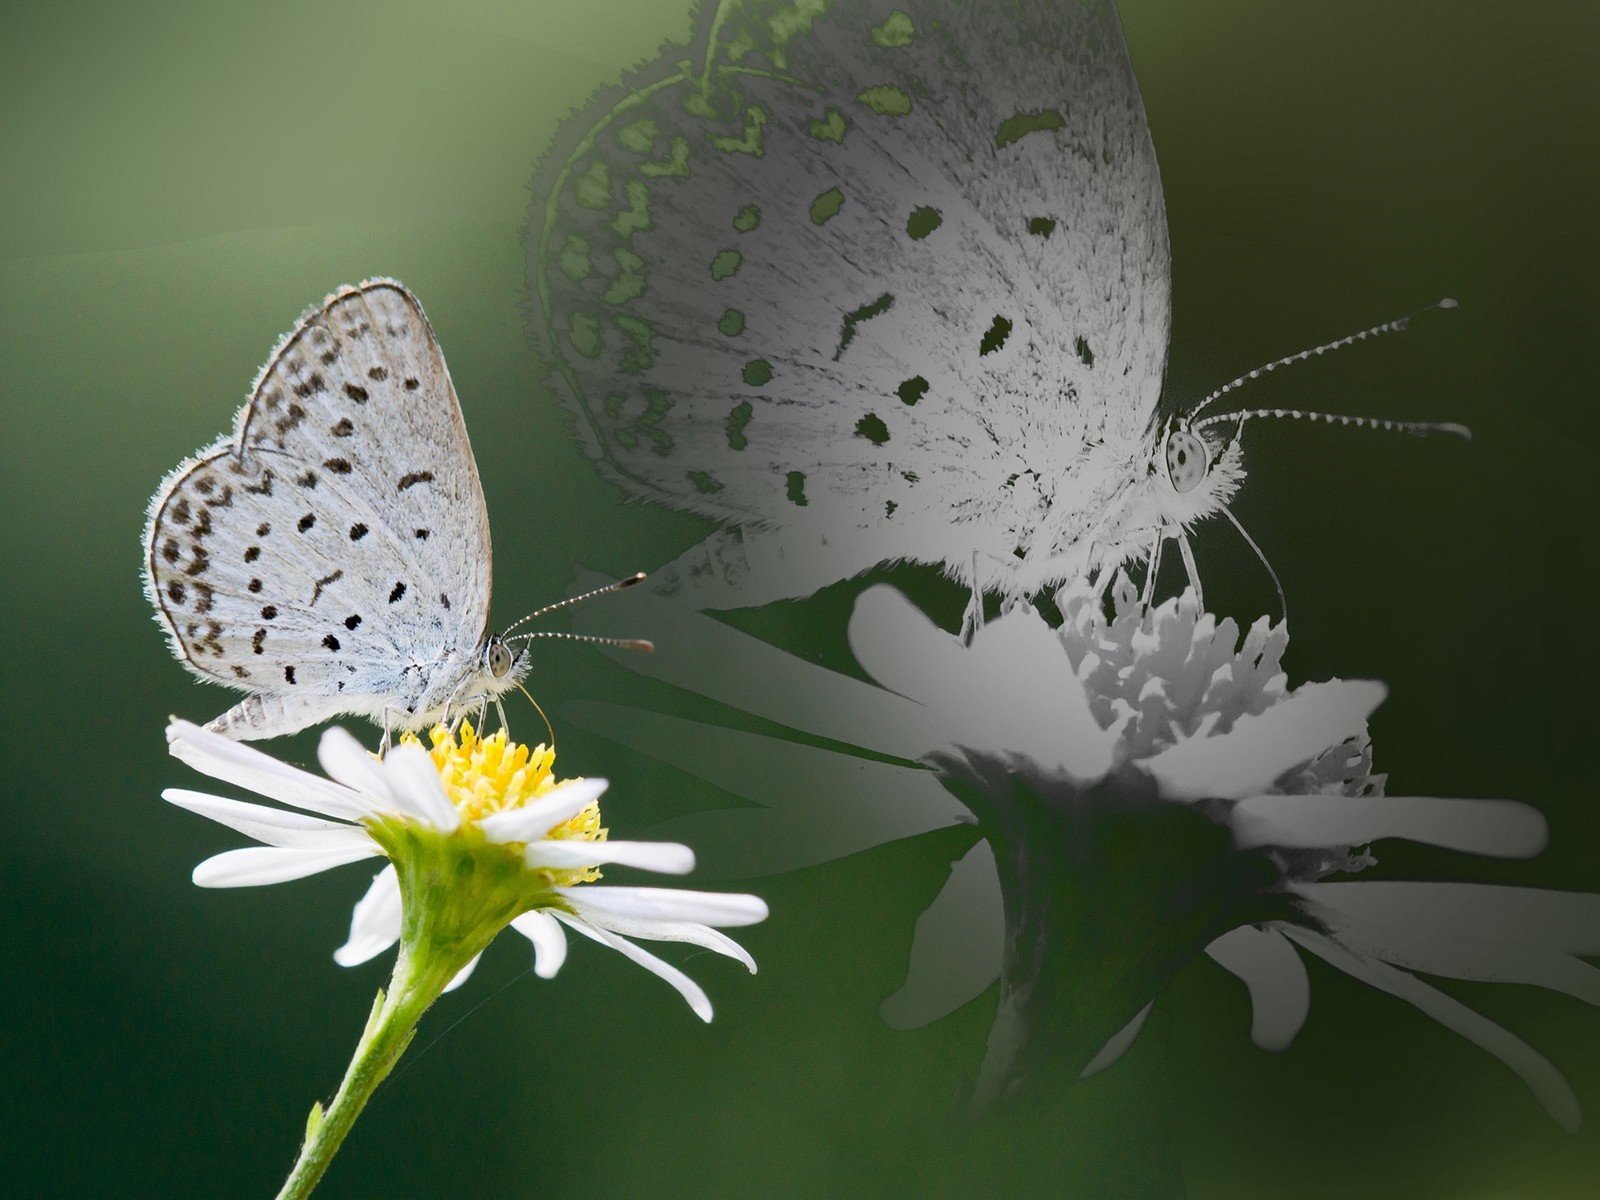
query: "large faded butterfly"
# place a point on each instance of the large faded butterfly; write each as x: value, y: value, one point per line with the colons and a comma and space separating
x: 879, y: 281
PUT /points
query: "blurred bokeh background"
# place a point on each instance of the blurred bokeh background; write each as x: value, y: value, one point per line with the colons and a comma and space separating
x: 179, y: 180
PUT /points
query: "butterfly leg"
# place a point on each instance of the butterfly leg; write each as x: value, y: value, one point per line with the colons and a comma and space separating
x: 1149, y: 596
x: 1185, y: 549
x: 501, y: 710
x: 972, y: 618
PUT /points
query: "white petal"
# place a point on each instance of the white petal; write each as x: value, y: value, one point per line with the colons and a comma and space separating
x: 549, y: 943
x: 1271, y: 971
x: 531, y: 822
x: 464, y: 974
x: 375, y: 922
x: 243, y: 766
x: 665, y: 904
x: 1118, y: 1045
x: 1501, y: 828
x: 1547, y: 1084
x: 274, y: 826
x: 415, y: 785
x: 679, y: 931
x: 256, y: 865
x: 1249, y: 757
x: 956, y: 947
x: 345, y: 760
x: 686, y: 987
x: 669, y: 858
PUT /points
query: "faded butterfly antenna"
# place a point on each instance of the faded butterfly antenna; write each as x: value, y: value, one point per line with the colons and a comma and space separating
x: 1394, y: 326
x: 1283, y: 601
x: 619, y: 585
x: 1414, y: 428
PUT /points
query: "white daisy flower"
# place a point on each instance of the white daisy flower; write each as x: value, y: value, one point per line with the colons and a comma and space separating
x: 479, y: 834
x: 535, y: 842
x: 1145, y: 784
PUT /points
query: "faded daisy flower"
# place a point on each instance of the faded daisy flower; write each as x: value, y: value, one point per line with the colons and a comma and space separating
x: 1147, y: 789
x: 479, y: 834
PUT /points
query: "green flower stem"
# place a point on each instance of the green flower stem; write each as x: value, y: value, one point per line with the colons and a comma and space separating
x: 389, y: 1031
x: 457, y: 891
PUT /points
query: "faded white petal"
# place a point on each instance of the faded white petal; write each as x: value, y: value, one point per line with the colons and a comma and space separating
x: 956, y: 947
x: 1464, y: 911
x: 1118, y: 1045
x: 532, y: 822
x: 257, y: 865
x: 1271, y: 971
x: 274, y: 826
x: 753, y: 676
x: 1501, y: 828
x: 244, y: 766
x: 816, y: 804
x: 414, y: 783
x: 668, y: 858
x: 686, y: 987
x: 1258, y: 749
x: 464, y: 974
x: 375, y: 921
x: 665, y: 904
x: 549, y: 943
x: 1547, y: 1084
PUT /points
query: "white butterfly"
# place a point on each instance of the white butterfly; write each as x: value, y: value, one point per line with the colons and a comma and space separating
x: 890, y: 282
x: 332, y: 556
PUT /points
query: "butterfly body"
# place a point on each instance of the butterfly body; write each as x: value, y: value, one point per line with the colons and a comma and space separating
x: 332, y: 556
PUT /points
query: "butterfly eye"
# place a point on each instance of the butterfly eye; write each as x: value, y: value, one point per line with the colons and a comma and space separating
x: 499, y: 660
x: 1187, y: 460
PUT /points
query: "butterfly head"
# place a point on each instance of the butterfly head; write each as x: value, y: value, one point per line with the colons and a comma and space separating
x: 1195, y: 471
x: 503, y: 664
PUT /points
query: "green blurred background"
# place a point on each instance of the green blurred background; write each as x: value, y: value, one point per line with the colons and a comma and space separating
x: 178, y: 181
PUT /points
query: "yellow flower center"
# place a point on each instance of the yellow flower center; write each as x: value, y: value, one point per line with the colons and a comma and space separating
x: 484, y: 775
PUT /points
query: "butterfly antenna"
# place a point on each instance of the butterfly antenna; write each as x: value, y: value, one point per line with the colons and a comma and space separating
x: 1395, y: 326
x: 592, y: 639
x: 1414, y: 428
x: 1283, y: 602
x: 550, y: 729
x: 619, y: 585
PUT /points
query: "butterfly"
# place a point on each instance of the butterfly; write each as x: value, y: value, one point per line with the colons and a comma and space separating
x: 880, y: 281
x: 332, y: 555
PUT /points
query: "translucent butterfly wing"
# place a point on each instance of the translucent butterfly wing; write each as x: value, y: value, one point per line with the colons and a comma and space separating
x: 337, y: 546
x: 897, y: 278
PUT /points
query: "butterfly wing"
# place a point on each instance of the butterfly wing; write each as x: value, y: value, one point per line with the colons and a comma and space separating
x: 332, y: 555
x: 889, y: 283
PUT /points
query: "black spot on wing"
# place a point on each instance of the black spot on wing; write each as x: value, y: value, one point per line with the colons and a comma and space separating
x: 412, y: 478
x: 396, y: 593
